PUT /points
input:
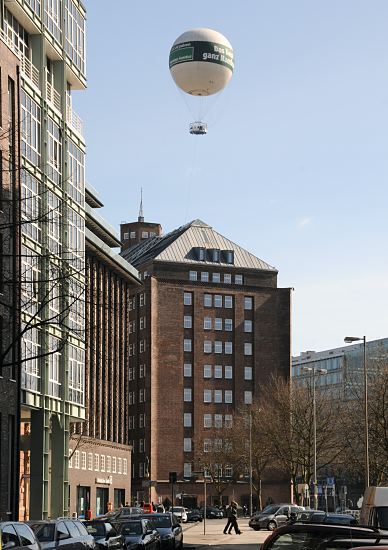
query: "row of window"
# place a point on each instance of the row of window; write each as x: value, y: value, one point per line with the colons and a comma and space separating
x: 132, y: 348
x: 217, y: 347
x: 204, y: 277
x: 217, y: 420
x: 132, y: 421
x: 217, y: 300
x: 144, y: 235
x: 217, y: 323
x: 97, y: 463
x: 132, y: 372
x: 210, y: 371
x: 210, y: 396
x: 132, y: 396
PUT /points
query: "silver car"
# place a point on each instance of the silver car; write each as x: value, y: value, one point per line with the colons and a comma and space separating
x: 273, y: 516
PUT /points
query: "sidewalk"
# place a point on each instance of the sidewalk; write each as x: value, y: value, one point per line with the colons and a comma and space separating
x: 193, y: 536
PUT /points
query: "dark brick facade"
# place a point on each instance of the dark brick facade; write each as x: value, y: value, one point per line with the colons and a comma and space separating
x: 9, y: 290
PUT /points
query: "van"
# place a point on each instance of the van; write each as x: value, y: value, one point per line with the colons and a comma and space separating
x: 374, y: 510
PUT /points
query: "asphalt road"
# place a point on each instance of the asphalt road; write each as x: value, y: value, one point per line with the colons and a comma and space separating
x: 195, y: 538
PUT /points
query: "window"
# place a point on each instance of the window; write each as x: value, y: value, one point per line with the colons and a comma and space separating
x: 76, y: 164
x: 216, y: 278
x: 142, y: 395
x: 141, y: 469
x: 131, y: 425
x: 200, y: 253
x: 83, y: 460
x: 228, y: 256
x: 228, y: 396
x: 228, y: 323
x: 247, y: 326
x: 228, y: 471
x: 30, y: 122
x: 248, y: 397
x: 75, y: 34
x: 229, y: 302
x: 142, y: 299
x: 187, y: 444
x: 108, y: 464
x: 228, y: 372
x: 144, y: 234
x: 218, y: 420
x: 26, y: 537
x: 207, y: 420
x: 142, y: 371
x: 142, y: 323
x: 187, y: 370
x: 141, y: 446
x: 187, y: 422
x: 126, y: 236
x: 207, y: 371
x: 217, y: 396
x: 187, y: 298
x: 187, y: 345
x: 207, y: 323
x: 76, y: 459
x: 133, y: 234
x: 217, y: 346
x: 187, y: 469
x: 207, y: 346
x: 207, y: 396
x: 70, y: 459
x: 247, y: 373
x: 131, y: 398
x: 125, y: 466
x: 132, y: 327
x: 114, y: 461
x: 228, y: 348
x: 141, y: 420
x: 217, y: 300
x: 90, y: 461
x: 193, y: 275
x: 96, y: 462
x: 218, y: 323
x: 187, y: 321
x: 142, y: 346
x: 214, y: 254
x: 207, y: 445
x: 238, y: 279
x: 187, y: 394
x: 131, y: 373
x: 248, y: 302
x: 227, y: 278
x: 76, y: 375
x: 247, y: 348
x: 217, y: 371
x: 228, y: 421
x: 207, y: 300
x: 102, y: 463
x: 205, y: 277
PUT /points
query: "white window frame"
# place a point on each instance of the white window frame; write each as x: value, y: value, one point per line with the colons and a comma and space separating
x: 217, y: 396
x: 248, y: 325
x: 207, y: 396
x: 248, y: 373
x: 187, y: 321
x: 228, y: 302
x: 217, y: 300
x: 187, y: 420
x: 228, y: 325
x: 204, y: 276
x: 248, y: 397
x: 187, y: 370
x: 248, y: 303
x: 207, y: 371
x: 218, y: 323
x: 248, y: 348
x: 187, y: 298
x: 228, y: 372
x: 207, y: 323
x: 193, y: 276
x: 207, y: 300
x: 218, y: 346
x: 218, y: 371
x: 228, y: 347
x: 187, y: 447
x: 187, y: 345
x: 228, y: 397
x: 187, y: 395
x: 207, y: 421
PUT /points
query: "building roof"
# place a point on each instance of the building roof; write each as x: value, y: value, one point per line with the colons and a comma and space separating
x: 177, y: 247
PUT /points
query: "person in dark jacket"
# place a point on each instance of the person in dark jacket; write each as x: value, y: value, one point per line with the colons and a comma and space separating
x: 231, y: 514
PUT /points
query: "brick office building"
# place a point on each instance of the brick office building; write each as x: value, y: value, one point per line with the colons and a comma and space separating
x: 207, y: 329
x: 9, y: 277
x: 100, y: 464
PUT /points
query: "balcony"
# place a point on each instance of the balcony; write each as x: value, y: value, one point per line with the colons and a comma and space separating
x: 27, y: 69
x: 74, y: 121
x: 53, y: 96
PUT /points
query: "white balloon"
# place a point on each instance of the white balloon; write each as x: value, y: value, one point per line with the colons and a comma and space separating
x: 201, y: 62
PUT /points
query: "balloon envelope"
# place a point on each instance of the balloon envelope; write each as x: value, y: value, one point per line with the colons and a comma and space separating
x: 201, y: 62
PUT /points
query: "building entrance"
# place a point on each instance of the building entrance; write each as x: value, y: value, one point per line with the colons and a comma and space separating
x: 102, y: 498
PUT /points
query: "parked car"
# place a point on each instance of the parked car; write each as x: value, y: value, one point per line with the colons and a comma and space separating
x: 123, y: 512
x: 180, y: 512
x: 104, y: 534
x: 319, y: 536
x: 63, y: 534
x: 374, y: 510
x: 273, y: 516
x: 16, y: 535
x: 169, y: 529
x: 320, y: 516
x: 139, y: 534
x: 194, y: 515
x: 212, y: 512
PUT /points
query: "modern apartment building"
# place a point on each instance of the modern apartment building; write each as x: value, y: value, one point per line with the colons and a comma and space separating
x: 100, y: 464
x: 43, y: 42
x: 207, y: 330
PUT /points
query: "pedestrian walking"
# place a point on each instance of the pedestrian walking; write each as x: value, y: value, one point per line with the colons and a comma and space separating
x: 232, y: 519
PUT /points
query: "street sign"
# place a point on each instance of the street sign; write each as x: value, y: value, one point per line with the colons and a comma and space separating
x: 330, y: 481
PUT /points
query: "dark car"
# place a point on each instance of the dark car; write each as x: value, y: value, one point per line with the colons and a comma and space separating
x: 122, y: 513
x: 319, y: 516
x: 169, y: 529
x: 138, y: 534
x: 273, y: 516
x: 104, y: 534
x: 194, y: 515
x: 320, y: 536
x: 212, y: 512
x: 62, y: 534
x: 16, y: 535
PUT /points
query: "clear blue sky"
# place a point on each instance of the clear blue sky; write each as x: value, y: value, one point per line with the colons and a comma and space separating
x: 295, y: 165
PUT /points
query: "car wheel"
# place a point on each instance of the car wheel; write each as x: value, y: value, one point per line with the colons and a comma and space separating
x: 255, y: 528
x: 271, y: 526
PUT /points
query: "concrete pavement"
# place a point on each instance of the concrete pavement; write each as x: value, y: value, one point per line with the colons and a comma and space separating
x: 194, y: 538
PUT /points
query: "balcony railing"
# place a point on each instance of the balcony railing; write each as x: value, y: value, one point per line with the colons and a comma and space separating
x: 53, y: 96
x: 74, y: 121
x: 27, y: 68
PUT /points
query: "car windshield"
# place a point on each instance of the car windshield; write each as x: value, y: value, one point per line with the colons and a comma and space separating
x: 131, y: 528
x: 327, y: 540
x: 178, y: 509
x: 97, y: 529
x: 382, y: 516
x: 160, y: 521
x: 44, y: 532
x: 270, y: 509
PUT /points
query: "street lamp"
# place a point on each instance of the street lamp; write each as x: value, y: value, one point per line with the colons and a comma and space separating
x: 313, y: 372
x: 350, y: 340
x: 250, y: 466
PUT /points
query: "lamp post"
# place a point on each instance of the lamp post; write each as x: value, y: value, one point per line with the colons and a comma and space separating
x: 349, y: 340
x: 313, y: 372
x: 250, y: 466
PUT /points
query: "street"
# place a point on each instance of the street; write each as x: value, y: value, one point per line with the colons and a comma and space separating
x: 194, y: 537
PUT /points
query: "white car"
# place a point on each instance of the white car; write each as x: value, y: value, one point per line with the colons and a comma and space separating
x: 180, y: 513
